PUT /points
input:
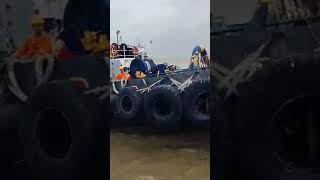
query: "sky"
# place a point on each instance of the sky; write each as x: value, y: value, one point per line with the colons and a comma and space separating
x: 175, y: 27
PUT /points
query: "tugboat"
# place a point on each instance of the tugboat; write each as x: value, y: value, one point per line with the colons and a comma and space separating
x: 163, y: 96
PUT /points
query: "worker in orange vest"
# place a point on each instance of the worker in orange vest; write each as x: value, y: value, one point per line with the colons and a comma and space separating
x: 123, y: 75
x: 38, y: 44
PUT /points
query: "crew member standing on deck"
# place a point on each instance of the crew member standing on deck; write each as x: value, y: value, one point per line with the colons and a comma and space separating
x: 123, y: 75
x: 38, y: 44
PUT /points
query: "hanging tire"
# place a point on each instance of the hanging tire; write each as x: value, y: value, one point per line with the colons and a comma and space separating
x: 129, y: 104
x: 10, y: 118
x: 66, y: 136
x: 275, y: 122
x: 195, y: 101
x: 163, y: 107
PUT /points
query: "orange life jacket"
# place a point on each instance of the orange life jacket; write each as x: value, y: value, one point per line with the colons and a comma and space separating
x: 34, y: 47
x: 122, y: 76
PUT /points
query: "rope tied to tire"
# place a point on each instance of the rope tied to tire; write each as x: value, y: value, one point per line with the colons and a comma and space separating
x: 143, y: 90
x: 186, y: 83
x: 13, y: 84
x: 41, y: 76
x: 123, y: 84
x: 242, y: 72
x: 181, y: 86
x: 102, y: 92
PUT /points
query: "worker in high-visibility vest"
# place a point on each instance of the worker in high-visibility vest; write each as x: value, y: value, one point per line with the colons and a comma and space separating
x: 38, y: 44
x: 123, y: 75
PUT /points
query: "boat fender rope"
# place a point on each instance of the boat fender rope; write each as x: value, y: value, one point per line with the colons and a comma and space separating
x: 13, y: 83
x: 123, y: 83
x: 41, y: 76
x: 144, y: 82
x: 175, y: 82
x: 143, y: 90
x: 241, y: 73
x: 136, y: 87
x: 114, y: 87
x: 186, y: 83
x: 102, y: 92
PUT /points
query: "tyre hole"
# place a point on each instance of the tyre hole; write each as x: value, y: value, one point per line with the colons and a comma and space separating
x: 201, y: 104
x: 126, y: 104
x: 53, y: 132
x: 162, y: 107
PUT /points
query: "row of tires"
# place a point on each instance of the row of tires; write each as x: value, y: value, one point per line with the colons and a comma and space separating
x: 60, y: 133
x: 164, y: 106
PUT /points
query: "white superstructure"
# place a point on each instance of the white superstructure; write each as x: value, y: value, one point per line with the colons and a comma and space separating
x: 122, y: 54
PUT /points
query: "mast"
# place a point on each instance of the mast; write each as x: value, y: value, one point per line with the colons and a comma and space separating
x: 149, y: 47
x: 118, y: 32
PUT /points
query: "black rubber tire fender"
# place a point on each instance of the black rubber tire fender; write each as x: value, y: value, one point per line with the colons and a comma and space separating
x: 194, y: 97
x: 163, y: 107
x: 11, y: 115
x: 113, y: 100
x: 221, y: 133
x: 255, y: 123
x: 129, y: 103
x: 84, y: 139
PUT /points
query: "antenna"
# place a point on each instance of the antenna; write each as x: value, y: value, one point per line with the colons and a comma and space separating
x: 121, y: 40
x: 149, y: 51
x: 118, y: 32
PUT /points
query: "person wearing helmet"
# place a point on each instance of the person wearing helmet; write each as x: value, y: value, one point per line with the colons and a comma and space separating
x: 38, y: 44
x: 199, y: 58
x: 123, y: 75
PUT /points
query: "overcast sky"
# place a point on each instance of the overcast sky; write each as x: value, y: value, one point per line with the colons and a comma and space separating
x: 174, y: 26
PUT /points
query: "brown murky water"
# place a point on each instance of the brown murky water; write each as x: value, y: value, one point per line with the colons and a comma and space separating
x: 136, y: 154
